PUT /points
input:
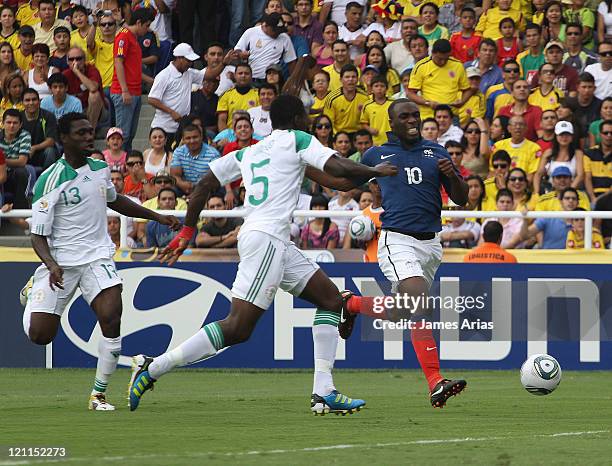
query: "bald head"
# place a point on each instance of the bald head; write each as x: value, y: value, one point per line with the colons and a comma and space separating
x: 405, y: 120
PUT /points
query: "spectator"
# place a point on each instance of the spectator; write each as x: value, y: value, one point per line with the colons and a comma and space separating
x: 336, y: 10
x: 205, y: 12
x: 322, y: 129
x: 27, y: 13
x: 323, y: 52
x: 490, y: 250
x: 114, y: 231
x: 42, y: 127
x: 274, y: 76
x: 605, y: 113
x: 386, y: 22
x: 85, y: 83
x: 37, y: 77
x: 114, y: 155
x: 375, y: 113
x: 566, y: 77
x: 162, y: 28
x: 500, y: 95
x: 190, y: 161
x: 320, y: 233
x: 546, y: 95
x: 14, y: 87
x: 8, y: 26
x: 365, y: 82
x: 429, y: 28
x: 64, y: 10
x: 162, y: 180
x: 260, y: 115
x: 169, y: 89
x: 398, y: 53
x: 459, y: 233
x: 101, y: 47
x: 455, y: 150
x: 561, y: 181
x: 157, y: 158
x: 524, y: 153
x: 602, y: 72
x: 3, y: 178
x: 242, y: 97
x: 516, y: 181
x: 344, y: 106
x: 575, y: 237
x: 504, y: 202
x: 15, y: 143
x: 531, y: 114
x: 439, y: 79
x: 532, y: 58
x: 158, y: 235
x: 44, y: 30
x: 564, y: 153
x: 476, y: 142
x: 554, y: 230
x: 300, y: 44
x: 604, y: 21
x: 23, y: 53
x: 255, y: 9
x: 486, y: 63
x: 362, y: 142
x: 508, y: 45
x: 604, y: 204
x: 576, y: 55
x: 217, y: 67
x: 218, y: 232
x: 204, y: 104
x: 126, y: 88
x: 447, y: 131
x: 343, y: 202
x: 137, y: 181
x: 119, y: 184
x: 149, y: 46
x: 488, y: 24
x: 553, y: 24
x: 60, y: 102
x: 82, y: 30
x: 61, y: 39
x: 376, y: 56
x: 266, y: 44
x: 500, y: 161
x: 320, y: 84
x: 342, y: 144
x: 7, y: 62
x: 464, y: 41
x: 585, y: 106
x: 547, y: 129
x: 476, y: 193
x: 598, y: 164
x: 475, y: 106
x: 306, y: 25
x: 576, y: 14
x: 498, y: 129
x: 419, y: 48
x: 430, y: 130
x: 451, y: 15
x: 341, y: 59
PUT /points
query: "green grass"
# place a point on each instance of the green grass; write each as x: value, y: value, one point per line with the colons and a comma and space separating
x: 216, y: 417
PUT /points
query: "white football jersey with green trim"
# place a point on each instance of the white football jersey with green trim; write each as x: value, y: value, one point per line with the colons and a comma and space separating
x: 272, y: 171
x: 69, y: 208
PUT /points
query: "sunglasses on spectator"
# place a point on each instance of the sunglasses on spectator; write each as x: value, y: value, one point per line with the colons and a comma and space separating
x: 105, y: 25
x: 547, y: 71
x: 607, y: 133
x: 549, y: 117
x: 131, y: 164
x: 473, y: 131
x: 570, y: 198
x: 516, y: 178
x: 323, y: 126
x: 163, y: 182
x: 455, y: 152
x: 572, y: 33
x: 500, y: 165
x: 75, y: 58
x: 511, y: 70
x: 606, y: 54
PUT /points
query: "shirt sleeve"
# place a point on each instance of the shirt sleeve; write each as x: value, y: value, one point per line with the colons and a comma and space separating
x: 121, y: 46
x: 25, y: 143
x: 223, y: 105
x: 111, y: 193
x: 176, y: 158
x: 43, y: 210
x: 227, y: 169
x: 311, y: 151
x: 368, y: 158
x: 159, y: 86
x: 540, y: 224
x: 243, y: 42
x: 462, y: 79
x: 289, y: 53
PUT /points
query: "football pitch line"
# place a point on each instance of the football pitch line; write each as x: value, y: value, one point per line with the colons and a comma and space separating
x: 195, y: 455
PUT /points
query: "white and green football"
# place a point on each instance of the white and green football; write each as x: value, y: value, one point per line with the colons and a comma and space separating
x: 362, y: 228
x: 540, y: 374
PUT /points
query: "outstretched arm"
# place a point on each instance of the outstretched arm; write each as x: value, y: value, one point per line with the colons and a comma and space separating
x: 357, y: 173
x: 329, y: 181
x: 126, y: 207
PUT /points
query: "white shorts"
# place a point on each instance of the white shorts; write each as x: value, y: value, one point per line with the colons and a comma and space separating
x: 266, y: 264
x: 91, y: 278
x: 402, y: 256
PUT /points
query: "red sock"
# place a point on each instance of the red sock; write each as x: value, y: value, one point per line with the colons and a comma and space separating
x: 427, y: 353
x: 365, y: 305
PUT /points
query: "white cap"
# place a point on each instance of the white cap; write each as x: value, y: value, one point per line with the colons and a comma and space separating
x: 564, y: 127
x: 185, y: 50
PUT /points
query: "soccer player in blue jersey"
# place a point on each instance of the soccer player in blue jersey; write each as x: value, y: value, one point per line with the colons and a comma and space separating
x: 409, y: 250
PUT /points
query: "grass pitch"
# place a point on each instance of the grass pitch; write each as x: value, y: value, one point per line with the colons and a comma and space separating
x: 228, y: 417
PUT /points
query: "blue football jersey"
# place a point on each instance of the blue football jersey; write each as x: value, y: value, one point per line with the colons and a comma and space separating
x: 411, y: 200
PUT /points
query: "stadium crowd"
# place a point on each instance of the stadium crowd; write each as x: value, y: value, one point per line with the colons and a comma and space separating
x: 519, y: 92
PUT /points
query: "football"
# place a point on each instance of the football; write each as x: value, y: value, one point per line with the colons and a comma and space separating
x: 362, y: 228
x: 540, y: 374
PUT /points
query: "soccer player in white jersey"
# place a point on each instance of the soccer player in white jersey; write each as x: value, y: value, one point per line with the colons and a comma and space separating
x: 69, y: 234
x: 272, y: 171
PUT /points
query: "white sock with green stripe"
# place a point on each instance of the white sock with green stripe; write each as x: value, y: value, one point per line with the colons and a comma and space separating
x: 109, y: 350
x: 325, y: 339
x: 203, y: 344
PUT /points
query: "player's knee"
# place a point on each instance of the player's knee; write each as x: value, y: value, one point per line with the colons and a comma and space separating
x: 40, y: 337
x: 332, y: 303
x: 110, y: 324
x: 235, y: 332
